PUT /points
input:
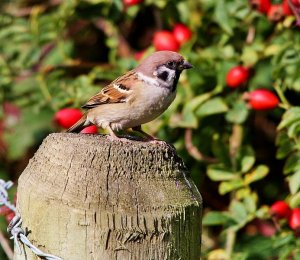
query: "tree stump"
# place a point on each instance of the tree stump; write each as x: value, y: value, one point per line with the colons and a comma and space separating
x: 87, y: 197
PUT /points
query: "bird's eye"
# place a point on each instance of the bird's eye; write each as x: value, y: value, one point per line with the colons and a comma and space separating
x: 171, y: 64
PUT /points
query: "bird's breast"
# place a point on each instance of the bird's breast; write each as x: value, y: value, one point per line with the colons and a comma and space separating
x: 155, y: 100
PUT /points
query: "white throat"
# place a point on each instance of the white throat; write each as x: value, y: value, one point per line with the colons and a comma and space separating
x: 148, y: 80
x: 162, y: 77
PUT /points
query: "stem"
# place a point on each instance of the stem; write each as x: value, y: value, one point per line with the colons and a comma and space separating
x: 235, y: 142
x: 157, y: 18
x: 6, y: 246
x: 230, y: 241
x: 43, y: 87
x: 193, y: 150
x: 285, y: 103
x: 250, y: 35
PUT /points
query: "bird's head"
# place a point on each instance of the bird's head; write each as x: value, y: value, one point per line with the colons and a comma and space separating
x: 165, y: 67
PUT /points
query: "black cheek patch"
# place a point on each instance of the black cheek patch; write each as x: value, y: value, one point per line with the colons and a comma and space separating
x: 163, y: 76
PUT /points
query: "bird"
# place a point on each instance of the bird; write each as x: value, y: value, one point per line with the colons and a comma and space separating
x: 137, y: 97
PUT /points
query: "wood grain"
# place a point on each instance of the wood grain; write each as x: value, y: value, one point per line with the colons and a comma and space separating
x: 87, y: 197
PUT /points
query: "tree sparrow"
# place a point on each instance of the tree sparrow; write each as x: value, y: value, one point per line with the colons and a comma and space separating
x: 137, y: 97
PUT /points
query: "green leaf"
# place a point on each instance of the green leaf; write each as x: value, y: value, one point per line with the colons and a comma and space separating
x: 228, y: 186
x: 238, y: 114
x: 213, y: 106
x: 214, y: 218
x: 119, y: 5
x: 189, y: 118
x: 286, y: 251
x: 216, y: 173
x: 294, y: 182
x: 263, y: 212
x: 289, y: 117
x: 222, y: 16
x: 249, y: 56
x: 247, y: 163
x: 238, y: 212
x: 272, y: 49
x: 246, y: 158
x: 221, y: 151
x: 250, y: 203
x: 28, y: 132
x: 294, y: 129
x: 283, y: 240
x: 258, y: 173
x: 295, y: 200
x: 292, y: 164
x: 217, y: 254
x: 286, y: 145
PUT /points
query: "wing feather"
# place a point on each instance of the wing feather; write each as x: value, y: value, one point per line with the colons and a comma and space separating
x: 117, y: 91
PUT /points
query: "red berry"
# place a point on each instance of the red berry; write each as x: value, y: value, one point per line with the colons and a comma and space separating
x: 262, y: 99
x: 294, y: 221
x: 4, y: 210
x: 182, y: 33
x: 132, y: 2
x: 286, y: 8
x: 281, y: 209
x: 90, y: 130
x: 265, y: 228
x: 236, y: 76
x: 11, y: 109
x: 296, y: 3
x: 10, y: 216
x: 165, y: 41
x: 262, y: 6
x: 275, y: 13
x: 12, y: 114
x: 67, y: 117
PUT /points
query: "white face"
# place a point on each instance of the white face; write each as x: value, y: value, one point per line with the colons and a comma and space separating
x: 165, y: 75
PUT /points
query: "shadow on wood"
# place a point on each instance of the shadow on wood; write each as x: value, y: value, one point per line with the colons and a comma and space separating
x: 87, y: 197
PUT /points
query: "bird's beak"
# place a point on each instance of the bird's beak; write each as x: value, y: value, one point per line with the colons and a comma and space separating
x: 185, y: 65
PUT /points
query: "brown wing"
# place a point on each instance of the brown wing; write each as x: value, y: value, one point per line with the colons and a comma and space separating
x: 116, y: 92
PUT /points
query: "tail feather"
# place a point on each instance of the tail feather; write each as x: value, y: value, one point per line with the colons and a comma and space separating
x: 77, y: 127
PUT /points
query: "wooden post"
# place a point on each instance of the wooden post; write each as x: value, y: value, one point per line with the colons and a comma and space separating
x: 87, y: 197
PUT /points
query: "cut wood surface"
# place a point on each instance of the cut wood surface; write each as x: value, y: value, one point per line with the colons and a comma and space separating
x: 88, y: 197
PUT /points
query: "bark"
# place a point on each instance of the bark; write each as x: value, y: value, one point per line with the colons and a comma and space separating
x: 87, y: 197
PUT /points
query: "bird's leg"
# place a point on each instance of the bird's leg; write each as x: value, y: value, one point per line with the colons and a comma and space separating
x: 139, y: 129
x: 149, y: 137
x: 111, y: 132
x: 113, y: 136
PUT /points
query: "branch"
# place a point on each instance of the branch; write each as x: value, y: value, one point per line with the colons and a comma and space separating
x: 235, y: 142
x: 250, y: 35
x: 26, y: 11
x: 193, y: 150
x: 6, y: 246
